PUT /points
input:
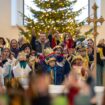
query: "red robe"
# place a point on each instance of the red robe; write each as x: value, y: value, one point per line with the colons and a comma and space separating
x: 69, y: 43
x: 73, y: 91
x: 53, y: 42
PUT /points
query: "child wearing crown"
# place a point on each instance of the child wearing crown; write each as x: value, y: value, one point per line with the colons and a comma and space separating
x: 78, y: 68
x: 83, y: 52
x: 56, y: 72
x: 22, y: 70
x: 61, y: 59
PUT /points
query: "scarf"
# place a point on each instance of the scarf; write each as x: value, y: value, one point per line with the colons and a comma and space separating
x: 52, y: 71
x: 23, y: 64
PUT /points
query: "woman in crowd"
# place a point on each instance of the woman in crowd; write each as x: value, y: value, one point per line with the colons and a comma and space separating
x: 5, y: 55
x: 14, y: 47
x: 68, y: 41
x: 54, y: 39
x: 2, y: 44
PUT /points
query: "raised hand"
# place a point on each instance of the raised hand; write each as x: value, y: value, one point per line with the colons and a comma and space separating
x: 37, y: 59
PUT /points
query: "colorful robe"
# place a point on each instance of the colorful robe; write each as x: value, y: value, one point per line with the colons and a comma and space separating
x: 57, y: 74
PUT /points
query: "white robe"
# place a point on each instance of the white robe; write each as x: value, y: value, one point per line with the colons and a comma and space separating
x: 2, y: 73
x: 21, y: 74
x: 8, y: 66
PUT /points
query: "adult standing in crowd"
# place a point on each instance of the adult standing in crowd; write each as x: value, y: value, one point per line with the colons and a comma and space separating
x: 14, y: 47
x: 40, y: 44
x: 2, y: 44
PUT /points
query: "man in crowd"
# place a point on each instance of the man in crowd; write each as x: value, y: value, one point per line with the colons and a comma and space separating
x: 40, y: 44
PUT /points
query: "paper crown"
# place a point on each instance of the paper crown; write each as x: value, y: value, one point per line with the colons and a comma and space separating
x: 57, y: 47
x: 77, y: 57
x: 32, y: 59
x: 7, y: 43
x: 49, y: 59
x: 22, y: 55
x: 48, y: 51
x: 81, y: 46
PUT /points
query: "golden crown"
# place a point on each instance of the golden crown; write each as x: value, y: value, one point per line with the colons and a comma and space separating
x: 57, y: 47
x: 22, y: 55
x: 32, y: 59
x: 77, y: 57
x: 48, y: 51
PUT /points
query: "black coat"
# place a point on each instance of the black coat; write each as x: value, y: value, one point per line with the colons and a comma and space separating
x: 41, y: 100
x: 37, y: 46
x: 99, y: 60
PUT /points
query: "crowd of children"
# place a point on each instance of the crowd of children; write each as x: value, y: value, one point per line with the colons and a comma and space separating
x: 28, y: 68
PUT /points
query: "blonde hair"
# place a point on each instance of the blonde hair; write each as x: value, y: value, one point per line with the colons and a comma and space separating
x: 101, y: 41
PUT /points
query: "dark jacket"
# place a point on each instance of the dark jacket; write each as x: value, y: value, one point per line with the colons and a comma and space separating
x: 15, y: 51
x: 58, y: 74
x: 41, y: 100
x: 99, y: 60
x: 37, y: 45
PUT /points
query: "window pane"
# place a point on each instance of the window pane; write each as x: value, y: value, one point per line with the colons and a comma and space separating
x: 82, y: 4
x: 99, y: 7
x: 77, y: 6
x: 27, y: 4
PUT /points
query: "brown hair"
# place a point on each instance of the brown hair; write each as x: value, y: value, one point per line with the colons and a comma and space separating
x: 13, y: 40
x: 3, y: 40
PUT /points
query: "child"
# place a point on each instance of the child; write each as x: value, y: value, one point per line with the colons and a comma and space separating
x: 78, y: 67
x: 22, y: 70
x: 58, y: 50
x: 56, y: 71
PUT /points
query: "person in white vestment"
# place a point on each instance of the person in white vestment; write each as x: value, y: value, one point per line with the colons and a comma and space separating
x: 2, y: 74
x: 21, y: 70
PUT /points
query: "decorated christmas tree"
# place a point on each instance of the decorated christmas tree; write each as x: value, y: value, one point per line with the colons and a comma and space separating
x: 55, y: 15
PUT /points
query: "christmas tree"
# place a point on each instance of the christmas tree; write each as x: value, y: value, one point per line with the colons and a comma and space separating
x: 55, y: 15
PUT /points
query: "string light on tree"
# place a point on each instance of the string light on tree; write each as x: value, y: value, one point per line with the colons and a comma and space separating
x: 53, y: 13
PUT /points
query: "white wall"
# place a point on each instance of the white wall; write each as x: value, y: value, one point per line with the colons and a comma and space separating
x: 6, y: 30
x: 6, y: 27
